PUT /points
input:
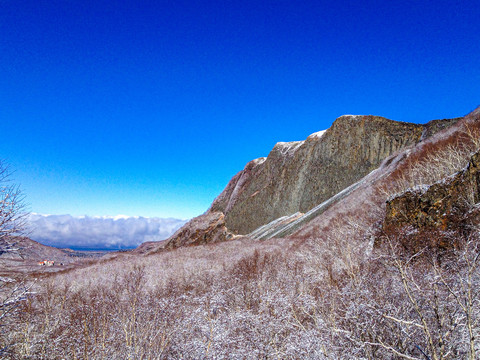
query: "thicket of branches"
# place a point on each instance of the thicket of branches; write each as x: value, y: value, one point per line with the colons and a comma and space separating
x: 12, y: 211
x: 439, y: 162
x: 13, y: 291
x: 248, y: 300
x: 341, y: 298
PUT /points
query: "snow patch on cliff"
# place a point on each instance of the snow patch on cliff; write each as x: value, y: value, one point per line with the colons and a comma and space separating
x: 289, y: 147
x: 259, y: 161
x: 316, y: 135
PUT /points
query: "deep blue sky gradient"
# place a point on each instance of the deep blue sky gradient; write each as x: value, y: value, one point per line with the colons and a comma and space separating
x: 150, y: 107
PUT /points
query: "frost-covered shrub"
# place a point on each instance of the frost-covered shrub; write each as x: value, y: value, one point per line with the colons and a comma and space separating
x: 434, y: 161
x: 245, y: 299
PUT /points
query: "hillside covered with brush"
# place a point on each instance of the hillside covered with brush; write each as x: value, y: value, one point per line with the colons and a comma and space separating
x: 361, y: 242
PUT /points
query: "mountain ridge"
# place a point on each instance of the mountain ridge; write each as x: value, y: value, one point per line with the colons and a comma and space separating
x: 297, y: 177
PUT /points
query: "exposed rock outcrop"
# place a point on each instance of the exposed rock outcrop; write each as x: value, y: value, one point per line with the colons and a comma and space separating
x: 440, y: 205
x: 206, y: 228
x: 274, y: 227
x: 297, y: 176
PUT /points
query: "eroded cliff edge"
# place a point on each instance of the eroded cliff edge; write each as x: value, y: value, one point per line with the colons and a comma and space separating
x: 297, y: 176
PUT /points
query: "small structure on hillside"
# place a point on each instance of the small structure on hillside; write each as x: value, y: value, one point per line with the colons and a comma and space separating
x: 46, y: 263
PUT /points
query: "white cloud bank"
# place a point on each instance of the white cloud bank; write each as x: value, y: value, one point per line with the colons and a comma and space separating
x: 85, y: 232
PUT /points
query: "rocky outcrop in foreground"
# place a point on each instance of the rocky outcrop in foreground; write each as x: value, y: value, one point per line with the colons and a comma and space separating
x: 446, y: 207
x: 431, y: 206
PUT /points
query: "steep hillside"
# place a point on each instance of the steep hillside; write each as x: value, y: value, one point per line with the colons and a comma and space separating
x: 434, y: 205
x: 28, y: 249
x: 300, y: 180
x: 366, y: 203
x: 297, y: 176
x: 27, y: 253
x: 437, y: 216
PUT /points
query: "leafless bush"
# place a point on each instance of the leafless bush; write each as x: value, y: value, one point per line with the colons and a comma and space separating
x: 420, y: 306
x: 438, y: 162
x: 13, y: 290
x: 12, y: 211
x: 245, y: 299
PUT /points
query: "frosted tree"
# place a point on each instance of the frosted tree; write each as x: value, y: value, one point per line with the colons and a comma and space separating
x: 12, y: 224
x: 12, y: 211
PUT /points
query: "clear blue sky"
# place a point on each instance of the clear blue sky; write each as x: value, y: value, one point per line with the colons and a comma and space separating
x: 150, y: 107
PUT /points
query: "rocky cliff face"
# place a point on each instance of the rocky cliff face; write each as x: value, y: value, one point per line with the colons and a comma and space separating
x: 302, y: 187
x: 297, y: 176
x: 445, y: 214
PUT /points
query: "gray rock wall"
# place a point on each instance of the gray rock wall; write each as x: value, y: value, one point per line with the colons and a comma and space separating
x: 297, y: 176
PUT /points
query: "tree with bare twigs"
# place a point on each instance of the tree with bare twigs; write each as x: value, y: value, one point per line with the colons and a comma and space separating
x: 12, y: 224
x: 12, y: 211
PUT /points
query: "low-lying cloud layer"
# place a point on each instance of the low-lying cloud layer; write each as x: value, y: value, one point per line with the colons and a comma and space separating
x: 85, y: 232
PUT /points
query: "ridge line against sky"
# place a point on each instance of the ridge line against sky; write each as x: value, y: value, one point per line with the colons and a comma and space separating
x: 148, y: 108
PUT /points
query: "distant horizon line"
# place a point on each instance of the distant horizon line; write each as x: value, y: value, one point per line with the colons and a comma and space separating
x: 113, y: 217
